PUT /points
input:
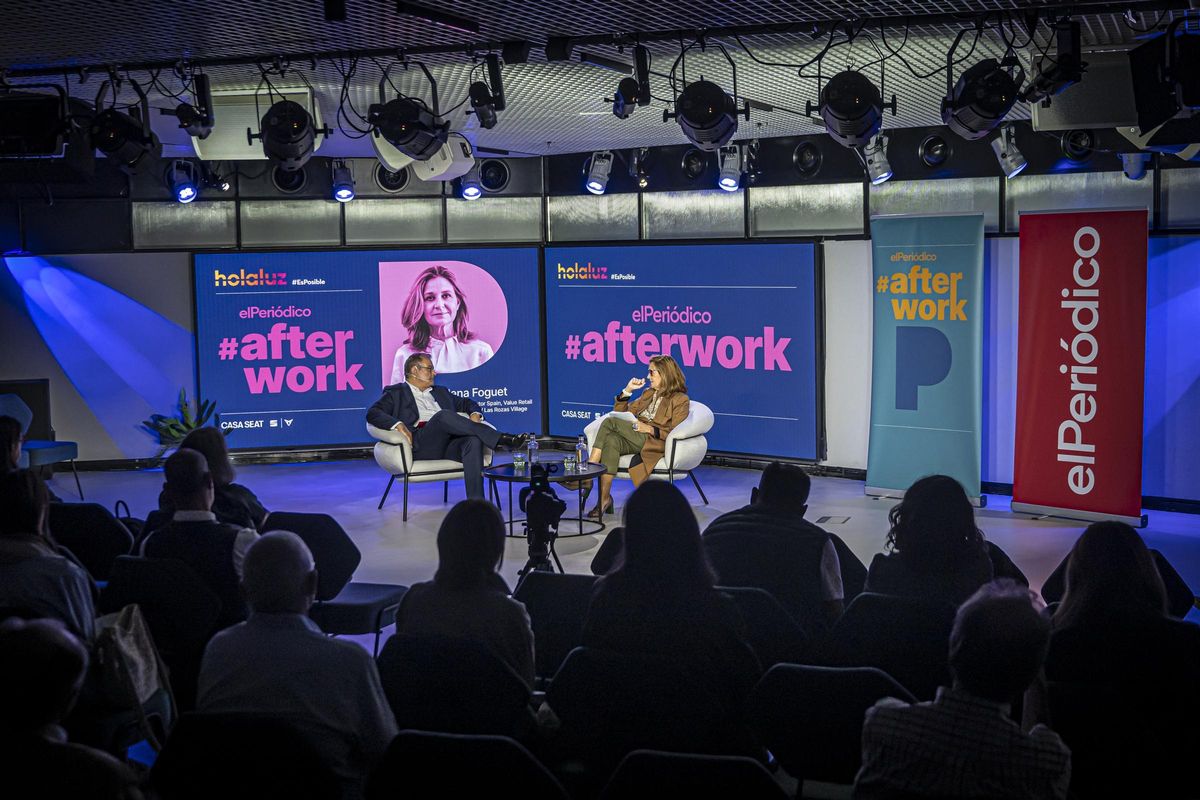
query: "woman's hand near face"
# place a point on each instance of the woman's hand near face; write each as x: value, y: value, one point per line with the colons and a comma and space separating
x: 634, y: 384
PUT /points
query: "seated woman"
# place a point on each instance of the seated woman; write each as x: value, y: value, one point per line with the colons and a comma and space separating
x: 233, y: 503
x: 467, y: 598
x: 660, y: 600
x: 936, y: 552
x: 1132, y: 667
x: 657, y: 410
x: 36, y: 580
x: 435, y: 314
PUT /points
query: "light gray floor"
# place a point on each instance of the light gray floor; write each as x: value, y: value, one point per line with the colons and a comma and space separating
x: 399, y: 552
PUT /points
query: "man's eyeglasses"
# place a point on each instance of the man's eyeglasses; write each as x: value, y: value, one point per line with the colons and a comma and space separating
x: 424, y: 368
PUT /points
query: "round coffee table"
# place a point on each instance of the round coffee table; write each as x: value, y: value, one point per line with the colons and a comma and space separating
x: 556, y: 474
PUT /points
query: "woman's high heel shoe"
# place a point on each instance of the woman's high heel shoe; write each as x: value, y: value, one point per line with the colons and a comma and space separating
x: 595, y: 514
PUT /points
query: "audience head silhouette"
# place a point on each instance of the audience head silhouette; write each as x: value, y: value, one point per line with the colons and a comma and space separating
x: 1110, y: 571
x: 998, y: 642
x: 470, y: 544
x: 10, y: 443
x: 24, y: 501
x: 188, y: 481
x: 41, y: 671
x: 784, y: 487
x: 933, y: 527
x: 278, y: 575
x: 210, y: 443
x: 662, y: 541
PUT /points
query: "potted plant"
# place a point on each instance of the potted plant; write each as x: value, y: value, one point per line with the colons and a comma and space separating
x: 170, y: 431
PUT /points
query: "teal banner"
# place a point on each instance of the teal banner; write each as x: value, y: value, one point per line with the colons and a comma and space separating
x: 927, y: 351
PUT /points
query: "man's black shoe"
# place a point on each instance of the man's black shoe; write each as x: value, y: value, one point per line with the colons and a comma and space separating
x: 509, y: 441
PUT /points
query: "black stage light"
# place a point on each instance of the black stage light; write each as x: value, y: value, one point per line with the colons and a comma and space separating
x: 120, y: 136
x: 852, y: 108
x: 639, y: 168
x: 182, y: 179
x: 287, y: 134
x: 409, y: 126
x: 483, y: 104
x: 707, y: 115
x: 934, y: 150
x: 289, y: 181
x: 515, y: 51
x: 807, y: 159
x: 342, y: 179
x: 1077, y: 145
x: 625, y: 100
x: 634, y: 92
x: 1008, y: 155
x: 196, y: 119
x: 693, y: 164
x: 391, y: 181
x: 32, y: 124
x: 980, y: 100
x: 1066, y: 68
x: 494, y: 175
x: 874, y: 155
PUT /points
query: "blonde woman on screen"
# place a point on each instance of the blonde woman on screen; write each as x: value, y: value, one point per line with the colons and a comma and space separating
x: 435, y: 314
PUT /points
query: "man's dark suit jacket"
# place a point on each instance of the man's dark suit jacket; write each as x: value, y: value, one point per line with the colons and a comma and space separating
x: 398, y: 405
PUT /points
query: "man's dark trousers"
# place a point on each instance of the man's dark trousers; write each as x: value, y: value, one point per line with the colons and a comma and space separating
x: 453, y: 436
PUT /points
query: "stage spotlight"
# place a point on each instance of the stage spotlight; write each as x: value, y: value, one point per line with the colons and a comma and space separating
x: 980, y: 100
x: 120, y: 136
x: 287, y: 134
x: 625, y: 100
x: 876, y: 161
x: 729, y: 163
x: 1004, y: 145
x: 196, y: 119
x: 483, y: 104
x: 494, y: 175
x: 934, y: 151
x: 707, y: 115
x: 1134, y: 165
x: 598, y: 167
x: 409, y: 126
x: 1077, y: 145
x: 181, y: 180
x: 469, y: 185
x: 289, y: 181
x: 638, y: 169
x: 806, y: 159
x: 693, y: 164
x: 1056, y: 74
x: 343, y: 181
x: 852, y: 108
x: 391, y: 181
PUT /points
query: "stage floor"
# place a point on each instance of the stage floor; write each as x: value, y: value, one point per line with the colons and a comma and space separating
x: 406, y: 552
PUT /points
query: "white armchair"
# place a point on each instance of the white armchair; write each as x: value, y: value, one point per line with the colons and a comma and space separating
x: 394, y: 455
x: 685, y: 449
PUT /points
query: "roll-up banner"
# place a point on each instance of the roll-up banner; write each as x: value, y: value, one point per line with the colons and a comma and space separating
x: 927, y: 353
x: 1081, y: 365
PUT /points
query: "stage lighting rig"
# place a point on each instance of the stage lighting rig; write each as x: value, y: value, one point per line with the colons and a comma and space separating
x: 488, y: 98
x: 852, y: 108
x: 598, y: 166
x: 408, y: 123
x: 633, y: 92
x: 196, y: 118
x: 343, y: 181
x: 182, y: 179
x: 470, y: 187
x: 707, y: 115
x: 875, y: 159
x: 983, y: 95
x: 120, y: 136
x: 1066, y: 68
x: 638, y: 169
x: 1004, y: 145
x: 288, y: 135
x: 729, y: 168
x: 33, y: 124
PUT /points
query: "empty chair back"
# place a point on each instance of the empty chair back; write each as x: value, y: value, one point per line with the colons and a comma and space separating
x: 653, y: 773
x: 437, y: 684
x: 906, y: 637
x: 557, y: 607
x: 241, y: 757
x: 425, y: 764
x: 334, y: 553
x: 180, y: 609
x: 811, y: 718
x: 775, y: 636
x: 92, y: 534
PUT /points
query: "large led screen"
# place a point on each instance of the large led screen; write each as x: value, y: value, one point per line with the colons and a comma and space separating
x: 739, y: 319
x: 293, y: 347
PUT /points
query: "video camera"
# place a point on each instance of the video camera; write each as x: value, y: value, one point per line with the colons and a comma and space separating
x: 543, y: 511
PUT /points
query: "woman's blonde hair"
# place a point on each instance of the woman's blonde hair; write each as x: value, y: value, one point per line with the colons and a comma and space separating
x: 670, y: 376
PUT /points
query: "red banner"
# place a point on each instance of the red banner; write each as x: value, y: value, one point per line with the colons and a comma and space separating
x: 1081, y: 362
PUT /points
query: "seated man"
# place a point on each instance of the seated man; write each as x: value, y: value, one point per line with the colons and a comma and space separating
x: 279, y: 663
x: 428, y: 416
x: 214, y: 550
x: 42, y: 666
x: 964, y: 744
x: 769, y: 545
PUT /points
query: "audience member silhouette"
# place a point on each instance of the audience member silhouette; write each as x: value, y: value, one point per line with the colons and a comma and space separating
x: 769, y: 544
x: 660, y: 600
x: 10, y: 443
x: 279, y: 663
x: 936, y: 552
x: 233, y: 503
x: 215, y: 550
x: 467, y: 598
x: 965, y: 744
x: 36, y: 579
x: 42, y: 668
x: 1123, y: 675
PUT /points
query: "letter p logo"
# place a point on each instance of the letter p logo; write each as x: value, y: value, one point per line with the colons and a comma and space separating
x: 922, y: 359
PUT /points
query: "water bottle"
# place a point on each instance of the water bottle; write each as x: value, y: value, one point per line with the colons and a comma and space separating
x: 532, y: 449
x: 581, y: 451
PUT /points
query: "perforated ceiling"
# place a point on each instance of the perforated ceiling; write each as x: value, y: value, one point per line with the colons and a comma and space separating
x: 553, y: 107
